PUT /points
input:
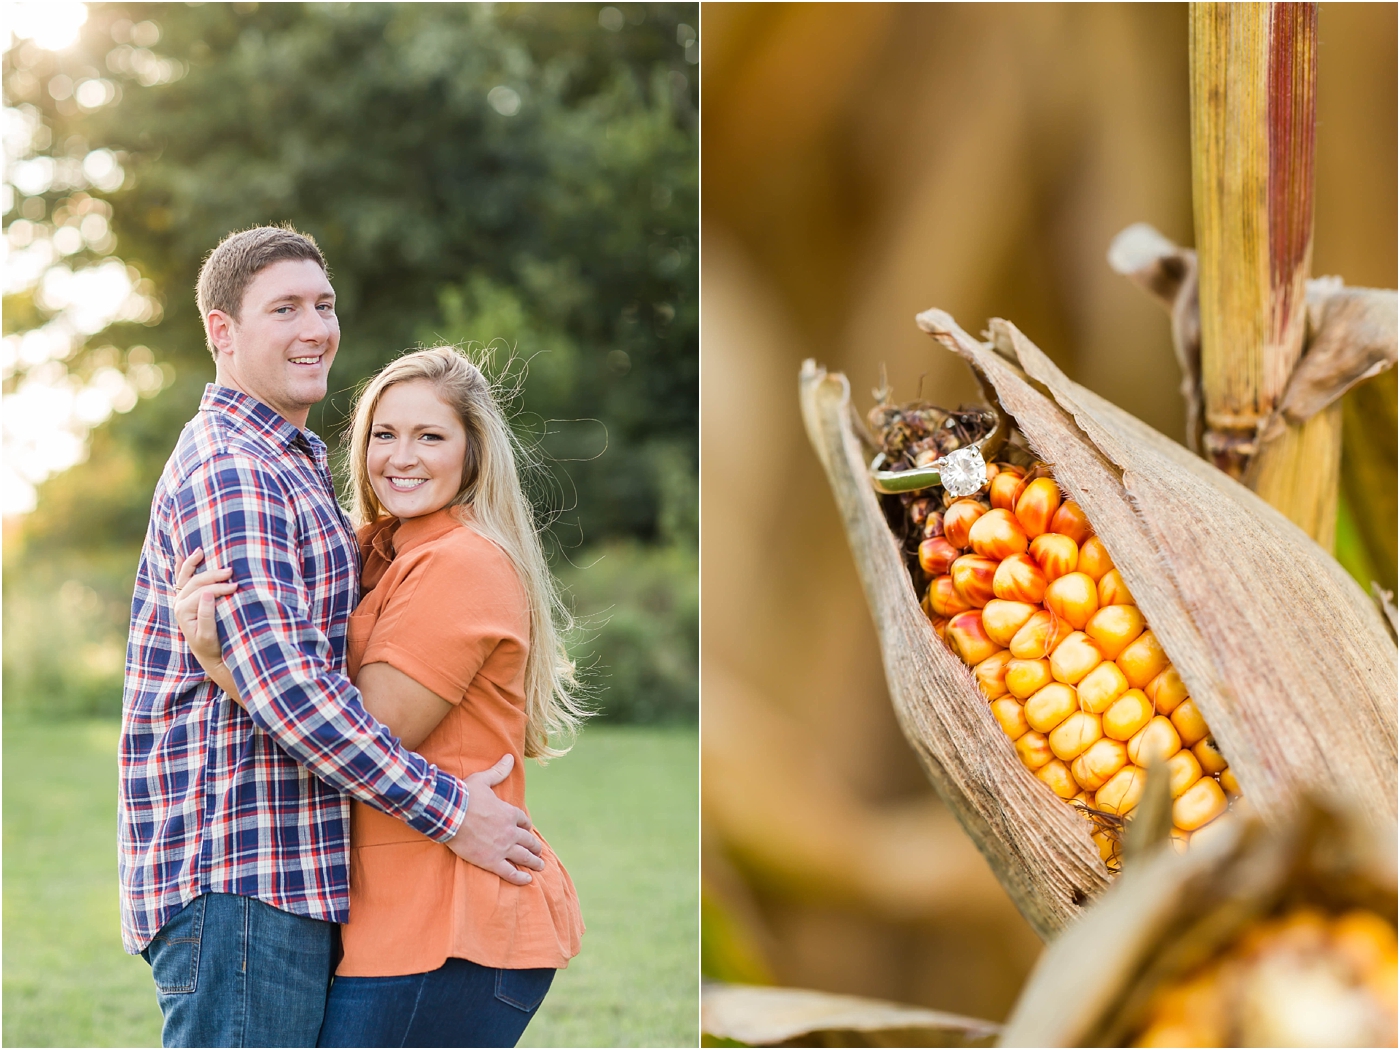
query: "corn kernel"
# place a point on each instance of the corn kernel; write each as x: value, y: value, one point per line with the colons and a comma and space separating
x: 1037, y: 506
x: 1209, y: 756
x: 1024, y: 678
x: 1099, y: 762
x: 1071, y: 521
x: 1055, y: 554
x: 936, y: 554
x: 1142, y: 659
x: 1073, y: 736
x: 1034, y: 750
x: 959, y: 518
x: 972, y: 578
x: 1019, y: 579
x: 1189, y: 723
x: 997, y: 534
x: 1074, y: 598
x: 1122, y: 791
x: 1006, y: 489
x: 1011, y: 717
x: 1108, y: 849
x: 1114, y: 627
x: 940, y: 627
x: 991, y: 673
x: 1157, y: 740
x: 1038, y: 638
x: 1056, y: 774
x: 1051, y: 706
x: 1127, y: 715
x: 968, y: 638
x: 944, y: 599
x: 1199, y: 805
x: 1101, y: 687
x: 1003, y: 619
x: 1074, y: 658
x: 1230, y: 784
x: 1166, y: 691
x: 1094, y: 561
x: 1365, y: 940
x: 1183, y: 771
x: 1113, y: 591
x: 1179, y: 839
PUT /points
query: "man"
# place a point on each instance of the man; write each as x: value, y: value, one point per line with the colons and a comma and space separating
x: 233, y: 824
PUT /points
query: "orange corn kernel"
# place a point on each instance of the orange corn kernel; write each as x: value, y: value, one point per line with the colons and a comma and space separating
x: 1073, y: 736
x: 1071, y: 521
x: 940, y: 627
x: 1166, y: 691
x: 1055, y: 554
x: 1122, y: 791
x: 1108, y: 849
x: 1057, y: 775
x: 991, y: 673
x: 1074, y: 598
x: 1094, y: 560
x: 1158, y: 740
x: 1202, y: 802
x: 1183, y: 770
x: 959, y: 518
x: 1011, y: 717
x: 997, y: 534
x: 1114, y: 627
x: 1024, y: 678
x: 1101, y: 687
x: 1113, y: 591
x: 968, y: 639
x: 972, y: 578
x: 1189, y: 723
x: 1034, y: 750
x: 1099, y: 762
x: 1051, y: 706
x: 936, y: 554
x: 1127, y: 715
x: 1230, y: 783
x: 1003, y: 619
x: 1142, y: 660
x: 1365, y: 940
x: 1006, y: 488
x: 1209, y: 756
x: 1074, y: 658
x: 1037, y: 506
x: 1038, y: 638
x: 1019, y: 579
x: 943, y: 598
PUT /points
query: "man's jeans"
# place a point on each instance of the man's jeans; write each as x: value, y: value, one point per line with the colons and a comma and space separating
x: 233, y: 971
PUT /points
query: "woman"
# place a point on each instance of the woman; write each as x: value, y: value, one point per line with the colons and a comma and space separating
x: 454, y: 647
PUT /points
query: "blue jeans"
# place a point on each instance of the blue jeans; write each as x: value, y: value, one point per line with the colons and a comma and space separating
x: 458, y: 1004
x: 233, y: 971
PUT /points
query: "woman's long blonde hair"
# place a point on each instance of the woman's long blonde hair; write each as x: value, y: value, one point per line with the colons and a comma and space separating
x: 501, y: 512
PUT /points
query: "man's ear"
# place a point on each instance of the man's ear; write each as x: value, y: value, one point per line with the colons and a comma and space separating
x: 219, y: 326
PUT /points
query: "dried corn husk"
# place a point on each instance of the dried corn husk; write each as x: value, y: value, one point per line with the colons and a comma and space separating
x: 1287, y: 659
x: 1173, y: 912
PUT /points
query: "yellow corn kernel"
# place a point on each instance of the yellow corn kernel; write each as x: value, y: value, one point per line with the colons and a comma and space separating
x: 1113, y: 591
x: 1056, y: 774
x: 1383, y: 986
x: 1073, y: 736
x: 1051, y: 706
x: 1024, y: 678
x: 940, y: 627
x: 1003, y: 619
x: 1122, y: 791
x: 1179, y: 839
x: 1157, y: 740
x: 1073, y: 597
x: 968, y: 639
x: 1011, y: 717
x: 1166, y: 691
x: 1097, y: 765
x: 991, y: 674
x: 1365, y: 940
x: 1094, y: 561
x: 1127, y: 715
x: 1201, y: 803
x: 1108, y: 849
x: 1034, y: 750
x: 958, y: 520
x: 1113, y: 627
x: 1209, y: 756
x: 943, y: 598
x: 997, y: 535
x: 1230, y: 784
x: 1075, y: 657
x: 1039, y: 636
x: 936, y: 554
x: 1100, y: 687
x: 1183, y: 770
x: 1189, y: 723
x: 1019, y: 579
x: 1037, y: 506
x: 1141, y: 660
x: 1006, y: 488
x: 1055, y: 554
x: 1071, y: 521
x: 972, y: 578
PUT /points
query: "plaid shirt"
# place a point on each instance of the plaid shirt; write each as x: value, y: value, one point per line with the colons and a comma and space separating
x: 216, y: 799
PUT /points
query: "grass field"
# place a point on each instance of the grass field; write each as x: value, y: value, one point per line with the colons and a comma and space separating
x: 621, y: 811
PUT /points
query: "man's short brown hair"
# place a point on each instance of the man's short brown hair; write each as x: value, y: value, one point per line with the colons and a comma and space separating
x: 231, y: 267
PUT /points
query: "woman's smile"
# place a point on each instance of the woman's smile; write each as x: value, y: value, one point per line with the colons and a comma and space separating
x: 417, y: 450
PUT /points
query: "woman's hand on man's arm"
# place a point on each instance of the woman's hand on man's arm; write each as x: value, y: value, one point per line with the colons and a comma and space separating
x: 194, y: 612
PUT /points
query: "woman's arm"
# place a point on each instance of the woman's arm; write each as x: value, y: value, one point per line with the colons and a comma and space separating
x: 411, y: 711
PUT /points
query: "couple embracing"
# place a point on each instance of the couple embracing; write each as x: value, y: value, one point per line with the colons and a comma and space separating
x: 322, y: 833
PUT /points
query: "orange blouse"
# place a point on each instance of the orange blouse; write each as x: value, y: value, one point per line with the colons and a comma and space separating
x: 444, y: 605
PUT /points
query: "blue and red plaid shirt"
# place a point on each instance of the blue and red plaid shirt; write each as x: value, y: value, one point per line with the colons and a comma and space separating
x: 217, y: 799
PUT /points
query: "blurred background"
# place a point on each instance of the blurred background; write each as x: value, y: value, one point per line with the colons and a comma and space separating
x: 863, y: 162
x: 520, y: 176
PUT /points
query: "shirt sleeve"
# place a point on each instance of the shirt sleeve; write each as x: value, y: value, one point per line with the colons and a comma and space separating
x: 238, y: 511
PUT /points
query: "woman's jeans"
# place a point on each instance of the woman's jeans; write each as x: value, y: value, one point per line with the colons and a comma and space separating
x: 458, y: 1004
x: 233, y: 971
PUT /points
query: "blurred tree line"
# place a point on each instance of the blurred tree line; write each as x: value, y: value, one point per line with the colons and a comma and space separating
x: 522, y: 176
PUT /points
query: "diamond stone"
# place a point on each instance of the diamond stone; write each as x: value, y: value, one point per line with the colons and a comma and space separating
x: 963, y: 472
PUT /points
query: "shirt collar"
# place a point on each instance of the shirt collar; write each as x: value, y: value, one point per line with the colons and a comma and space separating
x: 414, y: 532
x: 253, y: 414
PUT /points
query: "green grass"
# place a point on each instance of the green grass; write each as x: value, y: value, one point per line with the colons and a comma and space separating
x: 621, y: 811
